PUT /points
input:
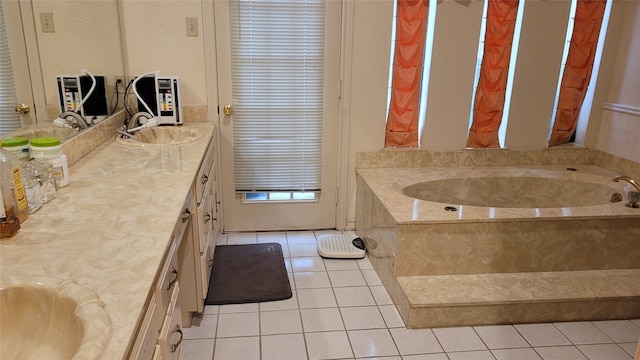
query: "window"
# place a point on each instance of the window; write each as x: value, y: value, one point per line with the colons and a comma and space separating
x: 8, y: 98
x: 277, y: 71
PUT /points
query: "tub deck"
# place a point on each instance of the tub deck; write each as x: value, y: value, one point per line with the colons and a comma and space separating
x: 482, y: 265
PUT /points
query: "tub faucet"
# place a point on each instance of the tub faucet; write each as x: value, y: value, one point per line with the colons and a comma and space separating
x: 634, y: 196
x: 627, y: 179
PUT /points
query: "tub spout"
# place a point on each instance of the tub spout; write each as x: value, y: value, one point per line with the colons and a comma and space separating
x: 627, y: 179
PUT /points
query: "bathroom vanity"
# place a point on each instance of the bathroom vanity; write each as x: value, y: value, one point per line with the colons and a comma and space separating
x: 136, y: 225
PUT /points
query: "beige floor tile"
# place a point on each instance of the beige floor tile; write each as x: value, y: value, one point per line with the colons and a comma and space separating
x: 283, y: 347
x: 345, y: 278
x: 501, y: 337
x: 327, y: 319
x: 280, y: 322
x: 418, y: 341
x: 372, y: 278
x: 241, y: 324
x: 301, y: 237
x: 311, y: 280
x: 202, y: 328
x: 542, y: 335
x: 381, y: 295
x: 560, y: 353
x: 362, y: 317
x: 297, y: 250
x: 471, y: 355
x: 354, y: 296
x: 316, y: 298
x: 516, y: 354
x: 328, y: 345
x: 341, y: 264
x: 604, y: 352
x: 245, y: 348
x: 619, y: 330
x: 238, y: 308
x: 370, y: 343
x: 198, y: 349
x: 459, y: 339
x: 287, y: 304
x: 422, y: 357
x: 391, y: 316
x: 241, y: 239
x: 306, y: 264
x: 582, y: 333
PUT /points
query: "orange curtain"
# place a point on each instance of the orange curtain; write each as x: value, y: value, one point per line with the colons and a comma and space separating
x: 494, y: 72
x: 411, y: 26
x: 577, y: 71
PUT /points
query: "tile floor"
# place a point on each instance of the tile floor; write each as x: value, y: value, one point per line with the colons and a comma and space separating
x: 340, y: 310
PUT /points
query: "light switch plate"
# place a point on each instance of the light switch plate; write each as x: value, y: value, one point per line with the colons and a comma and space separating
x: 192, y: 26
x: 46, y: 20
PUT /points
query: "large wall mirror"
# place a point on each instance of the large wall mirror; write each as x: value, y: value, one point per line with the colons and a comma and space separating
x: 67, y: 36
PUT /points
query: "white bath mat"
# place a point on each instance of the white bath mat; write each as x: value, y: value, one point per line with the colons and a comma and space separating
x: 339, y: 246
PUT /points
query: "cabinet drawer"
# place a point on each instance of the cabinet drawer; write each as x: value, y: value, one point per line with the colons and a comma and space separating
x: 170, y: 339
x: 168, y: 280
x: 203, y: 174
x: 205, y: 218
x: 147, y: 337
x: 206, y: 263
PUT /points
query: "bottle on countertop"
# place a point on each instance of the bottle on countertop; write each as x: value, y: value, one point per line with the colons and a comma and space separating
x: 13, y: 187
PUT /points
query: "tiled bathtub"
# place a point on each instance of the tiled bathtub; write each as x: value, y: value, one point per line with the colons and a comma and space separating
x: 488, y: 227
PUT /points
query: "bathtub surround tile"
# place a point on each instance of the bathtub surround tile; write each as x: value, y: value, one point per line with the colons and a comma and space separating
x: 399, y: 231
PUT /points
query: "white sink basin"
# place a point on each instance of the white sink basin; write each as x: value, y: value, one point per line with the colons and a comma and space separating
x: 45, y: 318
x: 162, y: 136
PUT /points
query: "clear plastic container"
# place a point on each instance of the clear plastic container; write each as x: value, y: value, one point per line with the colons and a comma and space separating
x: 19, y: 146
x: 45, y: 148
x: 13, y: 191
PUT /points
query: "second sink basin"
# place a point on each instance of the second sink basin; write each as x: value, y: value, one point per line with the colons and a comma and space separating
x: 162, y: 136
x: 45, y: 318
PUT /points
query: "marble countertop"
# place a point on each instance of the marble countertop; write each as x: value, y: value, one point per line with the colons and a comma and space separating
x: 110, y: 228
x: 388, y: 183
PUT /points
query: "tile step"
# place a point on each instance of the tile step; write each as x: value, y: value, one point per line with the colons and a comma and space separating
x: 502, y: 298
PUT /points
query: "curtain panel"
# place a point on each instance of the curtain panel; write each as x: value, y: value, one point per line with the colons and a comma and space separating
x: 578, y: 68
x: 494, y: 71
x: 408, y: 59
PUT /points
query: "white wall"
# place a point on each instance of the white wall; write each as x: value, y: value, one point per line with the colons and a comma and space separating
x: 619, y: 130
x: 149, y: 24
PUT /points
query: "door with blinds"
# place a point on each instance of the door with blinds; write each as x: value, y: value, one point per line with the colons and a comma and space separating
x: 278, y: 85
x: 16, y: 97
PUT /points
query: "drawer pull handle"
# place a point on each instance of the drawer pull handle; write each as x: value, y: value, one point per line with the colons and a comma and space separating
x: 206, y: 217
x: 179, y: 331
x: 175, y: 279
x: 204, y: 179
x: 186, y: 216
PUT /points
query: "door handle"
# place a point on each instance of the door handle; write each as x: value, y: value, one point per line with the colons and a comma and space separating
x: 22, y: 109
x: 227, y: 109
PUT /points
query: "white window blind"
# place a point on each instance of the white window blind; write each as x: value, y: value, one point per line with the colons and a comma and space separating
x: 277, y: 72
x: 9, y: 120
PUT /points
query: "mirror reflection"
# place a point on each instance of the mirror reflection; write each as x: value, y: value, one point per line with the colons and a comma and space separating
x: 78, y: 44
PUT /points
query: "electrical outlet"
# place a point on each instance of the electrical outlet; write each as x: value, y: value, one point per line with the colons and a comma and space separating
x: 119, y: 79
x: 46, y: 20
x: 192, y: 26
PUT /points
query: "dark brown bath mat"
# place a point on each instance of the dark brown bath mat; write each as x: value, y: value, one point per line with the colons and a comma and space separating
x: 247, y: 274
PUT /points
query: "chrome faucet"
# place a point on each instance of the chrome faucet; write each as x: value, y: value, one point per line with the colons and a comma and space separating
x: 63, y: 120
x: 634, y: 196
x: 627, y: 179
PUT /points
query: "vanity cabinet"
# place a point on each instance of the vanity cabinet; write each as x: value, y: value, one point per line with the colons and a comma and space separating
x: 160, y: 333
x: 196, y: 253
